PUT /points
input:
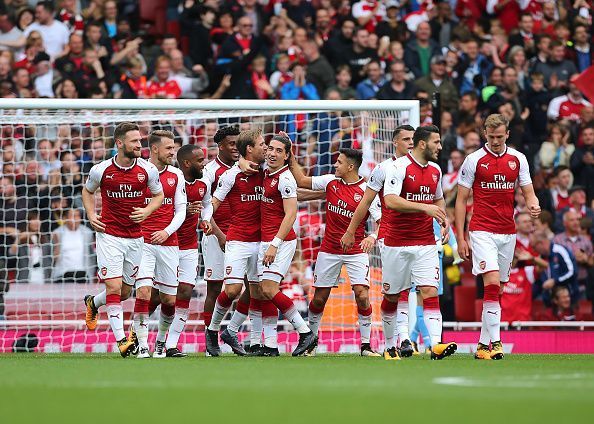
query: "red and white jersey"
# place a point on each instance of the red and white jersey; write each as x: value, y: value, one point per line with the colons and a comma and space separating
x: 277, y: 186
x: 417, y: 183
x: 310, y: 227
x: 172, y: 212
x: 164, y: 90
x: 122, y: 190
x: 376, y: 183
x: 563, y: 107
x: 560, y: 201
x: 196, y: 191
x: 244, y: 193
x: 516, y: 300
x: 212, y: 172
x: 342, y: 199
x: 492, y: 179
x: 449, y: 181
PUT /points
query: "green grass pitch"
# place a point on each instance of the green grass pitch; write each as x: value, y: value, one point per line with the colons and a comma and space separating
x: 64, y: 388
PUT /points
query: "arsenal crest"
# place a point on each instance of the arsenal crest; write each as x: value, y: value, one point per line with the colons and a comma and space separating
x: 512, y: 165
x: 228, y: 270
x: 171, y: 182
x: 141, y: 177
x: 386, y: 287
x: 482, y: 265
x: 273, y: 182
x: 201, y: 191
x: 208, y: 273
x: 357, y: 197
x: 434, y: 178
x: 104, y: 271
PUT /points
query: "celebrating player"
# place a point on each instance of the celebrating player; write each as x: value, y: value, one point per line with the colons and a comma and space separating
x: 402, y: 140
x: 491, y: 173
x: 344, y: 190
x: 214, y: 257
x: 412, y: 188
x: 125, y: 181
x: 190, y: 159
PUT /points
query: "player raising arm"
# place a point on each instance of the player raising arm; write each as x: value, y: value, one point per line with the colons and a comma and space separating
x: 492, y: 173
x: 124, y: 181
x: 344, y: 190
x: 412, y: 188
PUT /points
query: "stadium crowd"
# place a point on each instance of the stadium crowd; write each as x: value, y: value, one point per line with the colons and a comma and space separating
x: 525, y: 59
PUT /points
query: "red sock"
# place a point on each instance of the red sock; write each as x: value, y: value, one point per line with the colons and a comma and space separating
x: 404, y: 296
x: 182, y: 304
x: 431, y: 303
x: 491, y: 293
x: 112, y: 299
x: 141, y: 306
x: 314, y: 309
x: 207, y: 316
x: 152, y: 307
x: 389, y: 307
x: 242, y: 308
x: 168, y: 310
x: 365, y: 312
x: 282, y: 302
x: 224, y: 300
x: 268, y: 309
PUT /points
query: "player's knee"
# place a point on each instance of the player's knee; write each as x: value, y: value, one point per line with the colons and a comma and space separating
x: 361, y: 296
x: 233, y: 290
x: 427, y: 292
x: 167, y: 299
x: 184, y: 292
x: 269, y: 291
x: 392, y: 298
x: 319, y: 302
x: 143, y: 293
x: 213, y: 289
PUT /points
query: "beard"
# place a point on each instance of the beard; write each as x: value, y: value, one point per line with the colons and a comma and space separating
x: 131, y: 154
x: 197, y: 173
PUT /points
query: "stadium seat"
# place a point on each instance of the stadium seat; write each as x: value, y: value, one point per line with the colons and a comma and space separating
x: 538, y: 309
x: 464, y: 298
x: 153, y: 16
x: 173, y: 28
x: 584, y: 311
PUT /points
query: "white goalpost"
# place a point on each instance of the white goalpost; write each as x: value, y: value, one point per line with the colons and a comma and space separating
x: 47, y: 261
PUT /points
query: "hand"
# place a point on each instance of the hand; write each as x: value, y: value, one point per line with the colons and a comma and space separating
x: 198, y: 68
x: 367, y: 244
x: 580, y: 256
x: 436, y: 212
x: 445, y: 232
x: 269, y: 256
x: 284, y: 134
x: 247, y: 166
x: 96, y: 223
x: 347, y: 241
x: 226, y: 81
x: 549, y: 284
x: 206, y: 227
x: 159, y: 237
x: 102, y: 52
x: 525, y: 114
x: 139, y: 214
x: 464, y: 249
x: 523, y: 255
x: 588, y: 158
x: 534, y: 210
x: 194, y: 208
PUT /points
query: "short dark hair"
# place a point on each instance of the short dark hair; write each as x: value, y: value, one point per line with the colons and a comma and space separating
x: 401, y: 128
x: 123, y: 128
x: 423, y: 133
x: 47, y: 5
x: 471, y: 94
x: 224, y: 132
x: 285, y: 140
x: 186, y: 151
x: 354, y: 155
x: 156, y: 136
x: 558, y: 169
x: 247, y: 138
x: 546, y: 217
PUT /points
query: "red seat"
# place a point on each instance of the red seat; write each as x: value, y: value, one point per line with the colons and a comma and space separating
x: 584, y: 310
x: 173, y: 28
x: 153, y: 15
x: 464, y: 298
x: 538, y: 309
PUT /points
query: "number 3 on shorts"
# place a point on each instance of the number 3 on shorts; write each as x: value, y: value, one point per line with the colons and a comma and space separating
x: 437, y: 273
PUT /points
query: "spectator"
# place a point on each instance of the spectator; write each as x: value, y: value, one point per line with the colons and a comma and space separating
x: 282, y: 75
x: 369, y: 13
x: 419, y: 51
x: 46, y: 155
x: 561, y: 308
x: 442, y: 25
x: 556, y: 198
x: 95, y: 40
x: 579, y: 245
x: 299, y: 12
x: 8, y: 31
x: 93, y: 156
x: 323, y: 27
x: 162, y: 86
x: 191, y: 83
x: 66, y: 89
x: 25, y: 18
x: 537, y: 100
x: 133, y: 83
x: 343, y: 83
x: 562, y: 269
x: 582, y: 162
x: 359, y: 55
x: 31, y: 250
x: 335, y: 47
x: 556, y: 70
x: 506, y: 12
x: 437, y: 81
x: 557, y: 150
x: 544, y: 224
x: 262, y: 87
x: 69, y: 16
x: 471, y: 143
x: 526, y: 255
x: 72, y: 250
x: 109, y: 18
x: 392, y: 26
x: 449, y: 181
x: 397, y: 88
x: 577, y: 200
x: 582, y: 48
x: 201, y: 53
x: 516, y: 296
x: 473, y: 69
x: 22, y: 83
x: 369, y: 87
x: 72, y: 61
x: 44, y: 75
x: 319, y: 71
x: 525, y: 37
x: 569, y: 106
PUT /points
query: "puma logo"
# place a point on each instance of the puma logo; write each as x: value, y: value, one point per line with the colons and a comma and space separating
x: 485, y: 165
x: 115, y: 316
x: 109, y: 177
x: 335, y: 189
x: 492, y: 313
x: 244, y: 179
x: 387, y: 322
x: 367, y: 324
x: 144, y: 325
x: 412, y: 177
x: 404, y: 313
x: 182, y: 320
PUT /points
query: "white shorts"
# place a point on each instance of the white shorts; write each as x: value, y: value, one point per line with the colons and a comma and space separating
x: 404, y: 266
x: 492, y: 252
x: 279, y: 268
x: 241, y: 259
x: 214, y: 259
x: 329, y: 265
x: 118, y: 257
x: 158, y: 268
x: 188, y: 266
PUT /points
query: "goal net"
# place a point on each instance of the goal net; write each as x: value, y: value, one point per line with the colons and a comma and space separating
x: 47, y: 252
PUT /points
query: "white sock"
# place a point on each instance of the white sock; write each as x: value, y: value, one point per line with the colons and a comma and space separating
x: 389, y: 324
x: 257, y: 326
x: 365, y: 328
x: 484, y: 337
x: 141, y: 328
x: 402, y: 321
x: 270, y: 332
x: 492, y: 319
x: 295, y: 318
x: 177, y: 328
x: 236, y: 321
x: 100, y: 299
x: 314, y: 319
x: 164, y: 324
x: 115, y: 314
x: 217, y: 316
x: 433, y: 320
